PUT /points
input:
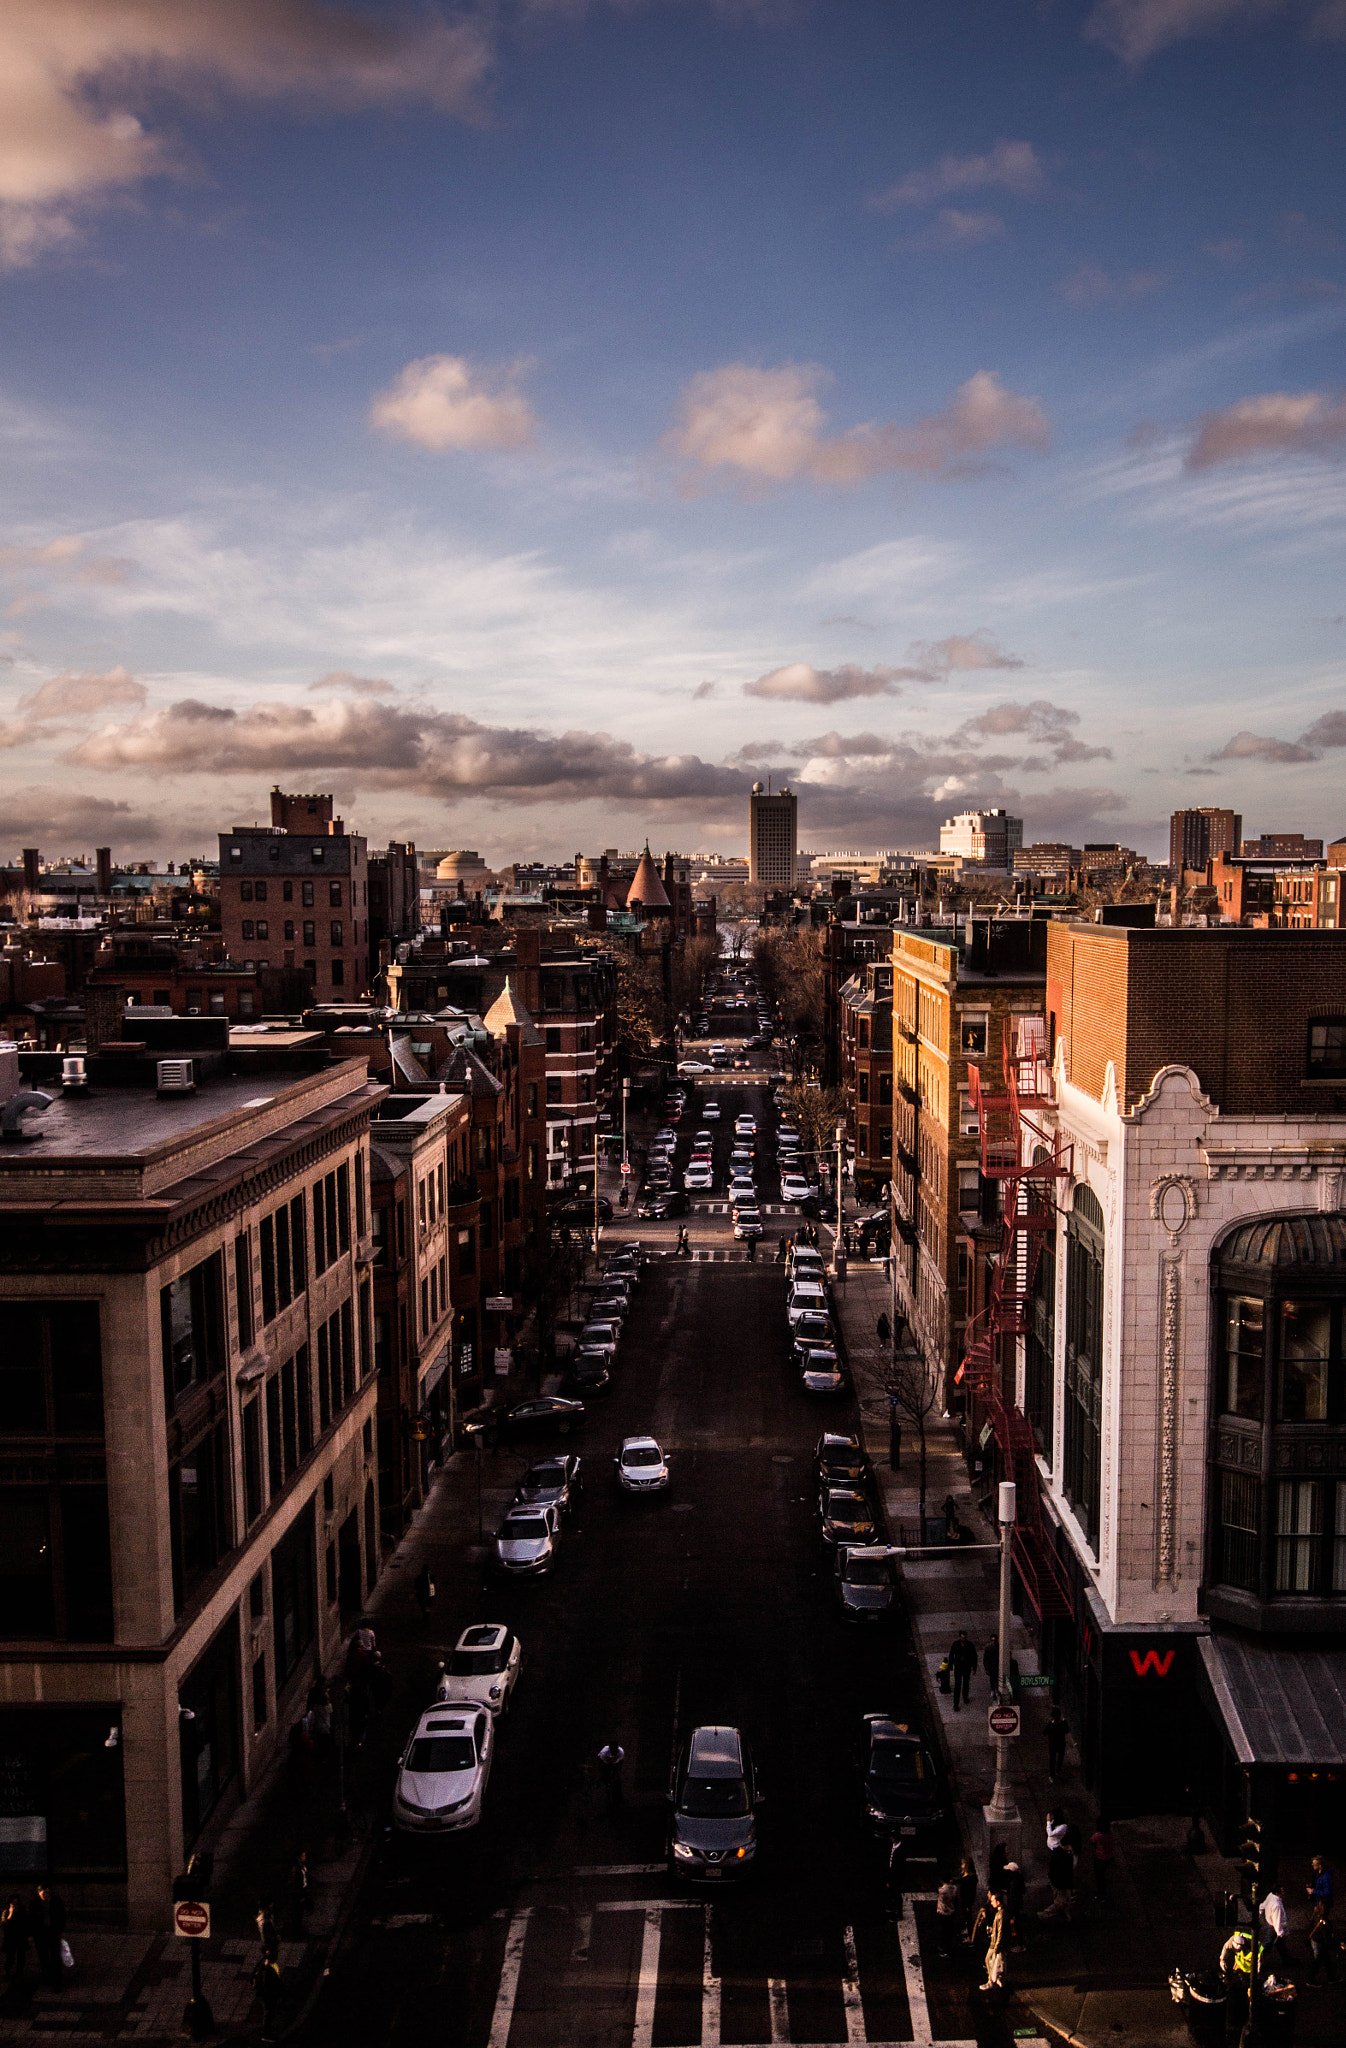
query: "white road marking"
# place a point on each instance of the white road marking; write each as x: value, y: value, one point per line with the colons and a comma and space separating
x: 909, y: 1942
x: 710, y: 1994
x: 780, y: 2010
x: 645, y: 1905
x: 614, y: 1870
x: 503, y: 2017
x: 643, y: 2033
x: 850, y: 1991
x: 579, y: 1948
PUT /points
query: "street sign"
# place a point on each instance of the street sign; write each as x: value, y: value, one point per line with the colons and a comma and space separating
x: 627, y: 1168
x: 1034, y: 1678
x: 1003, y: 1720
x: 500, y: 1304
x: 191, y: 1919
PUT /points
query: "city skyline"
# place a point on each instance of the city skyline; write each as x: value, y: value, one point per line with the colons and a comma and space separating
x: 538, y: 427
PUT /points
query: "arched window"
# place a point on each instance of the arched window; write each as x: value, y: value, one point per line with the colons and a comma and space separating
x: 1082, y: 1404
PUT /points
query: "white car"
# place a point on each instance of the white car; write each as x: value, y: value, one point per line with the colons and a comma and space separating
x: 794, y: 1188
x: 806, y: 1264
x: 746, y: 1127
x: 747, y: 1221
x: 711, y: 1112
x: 483, y: 1667
x: 699, y: 1177
x: 527, y: 1540
x: 442, y: 1773
x: 807, y: 1297
x: 641, y: 1466
x: 787, y: 1136
x: 695, y: 1067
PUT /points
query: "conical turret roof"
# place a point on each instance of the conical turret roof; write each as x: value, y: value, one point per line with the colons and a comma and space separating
x: 507, y: 1009
x: 646, y: 889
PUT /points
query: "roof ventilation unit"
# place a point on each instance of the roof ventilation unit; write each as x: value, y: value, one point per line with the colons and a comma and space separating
x: 177, y: 1077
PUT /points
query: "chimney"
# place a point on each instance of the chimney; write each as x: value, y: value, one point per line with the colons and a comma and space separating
x: 30, y: 878
x: 103, y: 1008
x: 103, y: 856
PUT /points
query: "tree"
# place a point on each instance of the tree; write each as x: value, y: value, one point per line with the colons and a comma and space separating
x: 642, y: 1014
x: 913, y: 1390
x: 693, y: 965
x: 815, y: 1113
x: 550, y: 1280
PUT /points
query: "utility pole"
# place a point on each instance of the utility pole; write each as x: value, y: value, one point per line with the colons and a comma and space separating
x: 1001, y: 1817
x: 841, y: 1142
x: 626, y: 1097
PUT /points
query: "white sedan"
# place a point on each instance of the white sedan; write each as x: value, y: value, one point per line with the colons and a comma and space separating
x: 699, y: 1177
x: 442, y: 1773
x: 794, y: 1188
x: 483, y: 1667
x: 526, y: 1544
x: 641, y: 1466
x: 695, y: 1067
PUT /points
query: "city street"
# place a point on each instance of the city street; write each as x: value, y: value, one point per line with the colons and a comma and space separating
x: 556, y: 1921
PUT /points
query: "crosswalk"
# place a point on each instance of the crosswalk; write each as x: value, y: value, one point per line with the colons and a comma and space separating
x: 651, y: 1971
x: 727, y: 1208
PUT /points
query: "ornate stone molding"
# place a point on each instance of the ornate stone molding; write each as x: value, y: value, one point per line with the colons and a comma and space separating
x: 1173, y: 1203
x: 1170, y: 1334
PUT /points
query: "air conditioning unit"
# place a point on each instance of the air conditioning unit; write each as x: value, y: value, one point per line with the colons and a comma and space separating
x: 177, y: 1077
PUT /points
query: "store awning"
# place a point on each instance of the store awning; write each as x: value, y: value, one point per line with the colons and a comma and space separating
x: 1279, y: 1706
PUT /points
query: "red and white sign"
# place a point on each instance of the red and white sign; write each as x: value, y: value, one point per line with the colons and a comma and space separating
x: 191, y: 1919
x: 1003, y: 1720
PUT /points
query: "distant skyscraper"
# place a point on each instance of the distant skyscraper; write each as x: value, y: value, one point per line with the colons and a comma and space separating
x: 773, y: 837
x: 1196, y: 836
x: 991, y: 838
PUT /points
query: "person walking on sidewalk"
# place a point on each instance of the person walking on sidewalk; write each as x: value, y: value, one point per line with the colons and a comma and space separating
x: 1057, y: 1731
x: 1060, y: 1870
x: 1104, y: 1854
x: 299, y: 1899
x: 990, y: 1662
x: 992, y: 1919
x: 967, y: 1897
x: 962, y: 1665
x: 611, y: 1757
x: 423, y: 1586
x: 46, y: 1919
x: 1322, y: 1934
x: 883, y: 1329
x: 14, y: 1932
x: 266, y: 1983
x: 1275, y: 1927
x: 266, y: 1930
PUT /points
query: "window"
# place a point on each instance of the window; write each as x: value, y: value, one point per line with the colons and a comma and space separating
x: 338, y: 974
x: 306, y: 894
x: 245, y: 892
x: 55, y: 1552
x: 586, y: 1039
x: 1245, y: 1357
x: 425, y: 1308
x: 254, y: 1498
x: 885, y: 1141
x: 1306, y: 1353
x: 972, y: 1035
x: 862, y: 1085
x: 310, y: 938
x: 198, y: 1512
x: 334, y: 895
x: 191, y: 1317
x: 967, y: 1117
x: 336, y: 928
x: 1327, y: 1048
x: 243, y: 1288
x: 1299, y: 1527
x: 885, y: 1090
x: 467, y: 1251
x: 284, y: 1257
x: 263, y: 928
x: 1040, y: 1351
x: 236, y: 853
x: 532, y: 1099
x: 289, y: 929
x: 247, y: 927
x: 553, y: 1088
x: 1238, y: 1530
x: 292, y: 1595
x: 318, y: 852
x: 259, y: 889
x: 969, y: 1191
x: 1083, y: 1389
x: 287, y: 892
x: 553, y: 1037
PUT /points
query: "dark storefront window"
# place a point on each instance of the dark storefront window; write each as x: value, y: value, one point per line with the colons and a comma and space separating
x: 292, y: 1595
x: 62, y: 1807
x: 198, y: 1510
x: 208, y: 1724
x: 1083, y: 1393
x: 55, y: 1551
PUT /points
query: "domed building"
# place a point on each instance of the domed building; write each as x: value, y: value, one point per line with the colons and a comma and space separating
x: 463, y: 865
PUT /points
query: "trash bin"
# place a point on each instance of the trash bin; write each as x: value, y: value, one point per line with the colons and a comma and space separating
x: 1276, y: 2019
x: 1200, y: 1996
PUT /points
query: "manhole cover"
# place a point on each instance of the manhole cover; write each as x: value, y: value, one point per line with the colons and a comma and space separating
x: 682, y: 1507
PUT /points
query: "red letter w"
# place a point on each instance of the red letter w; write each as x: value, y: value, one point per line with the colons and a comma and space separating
x: 1151, y: 1661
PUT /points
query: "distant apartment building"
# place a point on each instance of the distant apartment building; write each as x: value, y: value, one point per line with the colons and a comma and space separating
x: 1047, y: 857
x: 188, y: 1505
x: 988, y: 839
x: 773, y: 838
x: 955, y: 991
x: 394, y: 900
x: 1197, y: 836
x: 296, y: 894
x: 866, y: 1047
x: 1107, y: 860
x: 1281, y: 846
x: 1282, y: 894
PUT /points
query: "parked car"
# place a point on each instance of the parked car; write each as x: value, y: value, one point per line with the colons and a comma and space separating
x: 903, y: 1792
x: 806, y: 1297
x: 527, y: 1541
x: 482, y: 1669
x: 820, y: 1371
x: 549, y: 1415
x: 808, y: 1333
x: 672, y: 1202
x: 641, y: 1466
x: 590, y: 1373
x: 580, y: 1209
x: 552, y: 1482
x: 715, y: 1797
x: 839, y: 1460
x: 846, y: 1516
x: 443, y: 1771
x: 866, y: 1582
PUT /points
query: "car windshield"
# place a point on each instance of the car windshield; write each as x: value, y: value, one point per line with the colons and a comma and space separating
x: 899, y: 1764
x: 868, y: 1571
x: 843, y: 1509
x: 812, y: 1326
x: 442, y: 1753
x: 643, y: 1454
x: 519, y: 1528
x: 714, y: 1798
x: 476, y: 1663
x: 821, y: 1361
x: 544, y: 1479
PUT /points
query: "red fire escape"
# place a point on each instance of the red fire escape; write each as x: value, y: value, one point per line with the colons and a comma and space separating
x: 1008, y: 1129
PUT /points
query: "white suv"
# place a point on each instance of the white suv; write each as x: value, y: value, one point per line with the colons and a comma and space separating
x: 483, y: 1667
x: 641, y: 1466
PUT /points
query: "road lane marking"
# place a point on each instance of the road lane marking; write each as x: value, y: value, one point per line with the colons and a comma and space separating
x: 614, y: 1870
x: 579, y: 1948
x: 643, y: 2033
x: 909, y: 1942
x: 645, y: 1905
x: 780, y: 2010
x: 503, y: 2017
x: 710, y: 1994
x: 850, y: 1991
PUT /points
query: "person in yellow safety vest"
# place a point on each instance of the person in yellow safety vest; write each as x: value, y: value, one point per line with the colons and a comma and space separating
x: 1237, y: 1956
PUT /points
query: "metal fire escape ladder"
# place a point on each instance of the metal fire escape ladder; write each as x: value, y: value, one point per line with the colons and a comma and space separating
x: 1008, y: 1128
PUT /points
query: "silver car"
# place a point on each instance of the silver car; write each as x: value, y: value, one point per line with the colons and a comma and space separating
x: 526, y: 1544
x: 641, y: 1466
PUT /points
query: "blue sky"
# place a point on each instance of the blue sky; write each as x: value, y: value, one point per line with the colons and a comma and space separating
x: 534, y: 422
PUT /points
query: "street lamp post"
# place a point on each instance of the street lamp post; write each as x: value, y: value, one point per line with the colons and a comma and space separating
x: 1001, y: 1817
x: 841, y: 1142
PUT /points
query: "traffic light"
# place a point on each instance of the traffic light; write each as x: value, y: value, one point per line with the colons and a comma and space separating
x: 1250, y: 1854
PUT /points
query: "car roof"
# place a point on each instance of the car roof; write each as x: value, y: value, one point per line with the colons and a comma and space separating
x: 834, y: 1440
x: 715, y: 1752
x: 847, y: 1493
x: 435, y: 1720
x: 884, y: 1728
x: 632, y: 1443
x: 487, y: 1635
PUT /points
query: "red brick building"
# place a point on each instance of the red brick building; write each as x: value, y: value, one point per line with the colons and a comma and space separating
x: 296, y: 894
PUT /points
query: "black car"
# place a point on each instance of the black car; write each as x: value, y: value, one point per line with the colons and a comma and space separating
x: 808, y: 1334
x: 549, y: 1415
x: 845, y: 1515
x: 589, y: 1374
x: 904, y: 1795
x: 672, y: 1202
x: 715, y: 1796
x: 551, y: 1482
x: 839, y: 1460
x: 580, y: 1209
x: 865, y: 1582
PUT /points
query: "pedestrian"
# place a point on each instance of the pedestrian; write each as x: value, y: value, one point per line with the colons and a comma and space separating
x: 992, y: 1919
x: 896, y: 1878
x: 266, y: 1983
x: 946, y: 1917
x: 1060, y: 1870
x: 1013, y: 1896
x: 611, y: 1757
x: 46, y: 1920
x: 1322, y: 1934
x: 1104, y: 1853
x: 299, y: 1899
x: 962, y: 1665
x: 1057, y: 1731
x: 995, y: 1875
x: 423, y: 1586
x: 320, y: 1708
x: 14, y: 1933
x: 967, y: 1898
x: 883, y: 1329
x: 950, y: 1514
x: 266, y: 1928
x: 780, y: 1250
x: 1276, y: 1925
x: 990, y: 1662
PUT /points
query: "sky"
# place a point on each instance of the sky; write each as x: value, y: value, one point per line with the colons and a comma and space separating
x: 537, y: 421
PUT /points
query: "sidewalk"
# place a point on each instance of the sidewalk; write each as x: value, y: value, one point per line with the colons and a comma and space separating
x: 133, y: 1987
x: 1105, y: 1974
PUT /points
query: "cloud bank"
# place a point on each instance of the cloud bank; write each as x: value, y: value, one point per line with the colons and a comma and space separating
x: 443, y: 402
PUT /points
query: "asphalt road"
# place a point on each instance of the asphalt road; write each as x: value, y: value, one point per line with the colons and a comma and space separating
x: 556, y: 1922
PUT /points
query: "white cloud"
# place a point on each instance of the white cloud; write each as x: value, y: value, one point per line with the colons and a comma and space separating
x: 1135, y: 29
x: 960, y: 651
x: 1015, y: 166
x: 798, y: 683
x: 442, y: 402
x: 1270, y: 423
x: 1091, y: 286
x: 766, y: 427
